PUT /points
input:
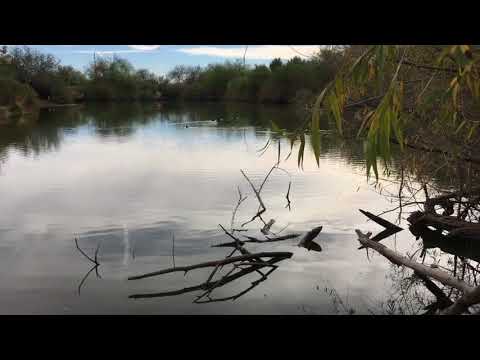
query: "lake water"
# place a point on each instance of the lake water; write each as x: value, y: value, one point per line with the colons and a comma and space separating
x: 130, y: 177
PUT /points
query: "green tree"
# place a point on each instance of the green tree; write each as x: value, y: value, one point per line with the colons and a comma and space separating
x: 276, y: 64
x: 422, y: 96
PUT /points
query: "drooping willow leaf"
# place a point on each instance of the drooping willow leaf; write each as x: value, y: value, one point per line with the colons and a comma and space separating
x: 301, y: 150
x: 315, y: 139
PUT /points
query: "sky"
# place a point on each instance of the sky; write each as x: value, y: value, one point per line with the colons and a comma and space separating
x: 160, y: 59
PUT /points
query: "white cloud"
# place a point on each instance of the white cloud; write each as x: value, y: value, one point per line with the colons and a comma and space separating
x: 107, y: 52
x: 263, y: 52
x: 144, y: 47
x: 133, y: 49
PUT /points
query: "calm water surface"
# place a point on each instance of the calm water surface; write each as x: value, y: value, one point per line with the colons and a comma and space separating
x: 130, y: 176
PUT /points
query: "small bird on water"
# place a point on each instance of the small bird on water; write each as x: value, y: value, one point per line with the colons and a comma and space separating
x: 307, y: 240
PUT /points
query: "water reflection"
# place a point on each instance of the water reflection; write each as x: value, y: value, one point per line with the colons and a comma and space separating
x: 129, y: 176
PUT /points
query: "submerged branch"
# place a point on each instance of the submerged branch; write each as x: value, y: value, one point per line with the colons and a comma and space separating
x: 398, y: 259
x: 213, y: 263
x: 252, y: 239
x: 215, y: 284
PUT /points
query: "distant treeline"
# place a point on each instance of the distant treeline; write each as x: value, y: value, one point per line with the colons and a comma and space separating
x: 27, y: 76
x: 104, y: 79
x: 280, y: 82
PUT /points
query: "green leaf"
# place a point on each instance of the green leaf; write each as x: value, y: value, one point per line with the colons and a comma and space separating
x: 367, y: 117
x: 380, y: 57
x: 301, y: 151
x: 462, y: 124
x: 276, y: 129
x: 315, y: 140
x: 397, y: 129
x: 371, y: 157
x: 334, y: 105
x: 472, y: 130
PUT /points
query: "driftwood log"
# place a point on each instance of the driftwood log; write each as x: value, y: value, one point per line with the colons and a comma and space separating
x: 471, y: 295
x: 399, y: 259
x: 442, y: 222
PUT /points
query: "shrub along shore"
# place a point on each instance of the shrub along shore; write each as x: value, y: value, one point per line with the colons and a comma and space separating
x: 30, y: 80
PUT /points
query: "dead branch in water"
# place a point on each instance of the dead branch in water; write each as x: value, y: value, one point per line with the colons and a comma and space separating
x: 95, y: 262
x: 84, y: 254
x: 238, y: 243
x: 266, y: 228
x: 443, y: 300
x: 287, y: 196
x: 234, y: 213
x: 460, y: 306
x: 241, y: 265
x: 235, y: 297
x: 173, y: 249
x: 79, y: 288
x: 216, y: 263
x: 257, y: 194
x: 470, y: 297
x: 307, y: 240
x: 398, y: 259
x: 252, y: 239
x: 262, y: 208
x: 443, y: 222
x: 385, y: 223
x: 390, y: 228
x: 209, y: 286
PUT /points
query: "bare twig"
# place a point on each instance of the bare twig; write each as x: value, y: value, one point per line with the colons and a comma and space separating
x: 240, y: 200
x: 215, y: 284
x: 252, y: 239
x: 95, y: 262
x: 85, y: 278
x: 212, y: 264
x: 83, y: 253
x: 257, y: 194
x: 287, y: 196
x: 173, y: 249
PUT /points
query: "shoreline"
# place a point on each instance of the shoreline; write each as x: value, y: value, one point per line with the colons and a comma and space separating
x: 43, y: 104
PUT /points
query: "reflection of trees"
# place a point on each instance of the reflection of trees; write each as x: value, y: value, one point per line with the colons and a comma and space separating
x: 233, y: 114
x: 30, y: 137
x: 35, y: 136
x: 119, y: 119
